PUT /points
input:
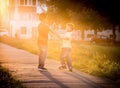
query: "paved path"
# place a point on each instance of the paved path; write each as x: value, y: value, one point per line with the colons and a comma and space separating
x: 23, y: 66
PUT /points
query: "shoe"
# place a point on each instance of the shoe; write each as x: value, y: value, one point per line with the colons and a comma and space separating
x: 42, y: 69
x: 70, y: 70
x: 62, y: 67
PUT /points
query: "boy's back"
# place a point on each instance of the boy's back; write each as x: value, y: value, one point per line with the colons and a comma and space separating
x: 67, y: 38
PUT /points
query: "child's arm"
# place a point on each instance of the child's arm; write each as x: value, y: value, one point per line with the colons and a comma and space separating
x: 56, y: 34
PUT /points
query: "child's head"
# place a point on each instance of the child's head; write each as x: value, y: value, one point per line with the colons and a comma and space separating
x: 69, y: 27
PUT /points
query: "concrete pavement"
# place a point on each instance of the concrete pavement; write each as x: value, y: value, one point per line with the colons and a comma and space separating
x: 23, y: 66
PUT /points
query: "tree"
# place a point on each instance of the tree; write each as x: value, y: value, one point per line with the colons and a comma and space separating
x: 80, y: 12
x: 110, y: 8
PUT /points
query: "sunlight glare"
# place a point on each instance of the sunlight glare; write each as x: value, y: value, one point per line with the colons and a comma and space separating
x: 3, y: 6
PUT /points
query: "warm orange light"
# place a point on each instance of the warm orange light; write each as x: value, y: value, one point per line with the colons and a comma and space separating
x: 3, y: 6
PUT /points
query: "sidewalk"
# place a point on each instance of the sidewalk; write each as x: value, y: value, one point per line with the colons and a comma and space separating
x: 23, y: 66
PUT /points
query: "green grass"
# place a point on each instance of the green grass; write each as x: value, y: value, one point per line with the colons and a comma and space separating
x: 7, y: 81
x: 97, y: 59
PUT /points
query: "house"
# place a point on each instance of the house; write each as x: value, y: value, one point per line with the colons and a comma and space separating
x: 23, y: 18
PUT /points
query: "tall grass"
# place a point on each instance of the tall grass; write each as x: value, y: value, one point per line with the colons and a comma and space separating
x: 99, y: 60
x: 26, y: 44
x: 7, y: 80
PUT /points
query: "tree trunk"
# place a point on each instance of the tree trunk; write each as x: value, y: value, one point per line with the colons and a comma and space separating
x: 95, y: 32
x: 114, y: 34
x: 82, y: 34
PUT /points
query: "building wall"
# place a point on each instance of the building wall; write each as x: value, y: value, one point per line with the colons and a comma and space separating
x: 23, y: 18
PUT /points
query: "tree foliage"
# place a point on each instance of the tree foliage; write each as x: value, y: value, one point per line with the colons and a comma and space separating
x: 78, y: 12
x: 85, y: 14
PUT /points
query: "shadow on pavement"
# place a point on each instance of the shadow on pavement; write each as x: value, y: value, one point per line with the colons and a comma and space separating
x: 84, y: 79
x: 49, y: 76
x: 37, y: 81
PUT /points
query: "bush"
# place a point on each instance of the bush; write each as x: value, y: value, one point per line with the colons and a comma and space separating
x: 7, y: 81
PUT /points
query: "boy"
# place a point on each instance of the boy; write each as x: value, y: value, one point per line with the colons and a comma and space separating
x: 43, y: 31
x: 66, y: 48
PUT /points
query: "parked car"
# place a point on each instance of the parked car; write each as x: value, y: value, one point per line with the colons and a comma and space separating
x: 3, y: 31
x: 101, y: 38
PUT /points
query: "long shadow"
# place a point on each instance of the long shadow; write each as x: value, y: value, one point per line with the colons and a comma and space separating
x: 37, y: 81
x: 85, y: 80
x: 49, y: 76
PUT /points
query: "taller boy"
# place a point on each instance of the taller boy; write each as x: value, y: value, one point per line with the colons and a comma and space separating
x: 43, y: 30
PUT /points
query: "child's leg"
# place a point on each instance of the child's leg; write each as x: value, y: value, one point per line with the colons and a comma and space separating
x: 69, y: 59
x: 42, y: 56
x: 62, y: 57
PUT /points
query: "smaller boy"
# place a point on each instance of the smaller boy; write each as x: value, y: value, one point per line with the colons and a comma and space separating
x: 66, y: 48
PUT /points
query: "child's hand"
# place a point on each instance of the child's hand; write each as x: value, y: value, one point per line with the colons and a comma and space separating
x: 66, y: 38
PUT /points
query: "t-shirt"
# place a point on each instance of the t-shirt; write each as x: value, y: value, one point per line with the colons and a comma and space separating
x: 67, y: 38
x: 43, y: 30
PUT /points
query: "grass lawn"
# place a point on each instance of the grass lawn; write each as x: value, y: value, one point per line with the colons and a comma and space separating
x: 100, y: 60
